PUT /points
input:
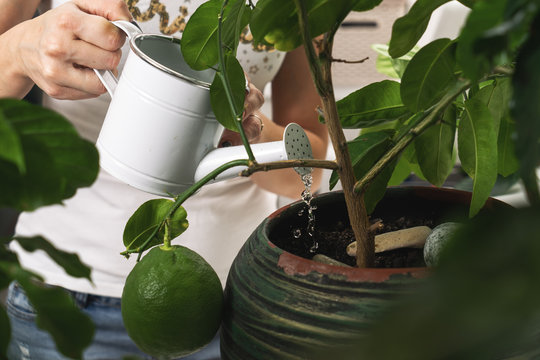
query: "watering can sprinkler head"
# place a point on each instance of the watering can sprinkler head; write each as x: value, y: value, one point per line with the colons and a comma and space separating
x: 294, y: 146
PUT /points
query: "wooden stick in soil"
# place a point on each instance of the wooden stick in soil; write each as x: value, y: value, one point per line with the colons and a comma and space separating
x: 321, y: 73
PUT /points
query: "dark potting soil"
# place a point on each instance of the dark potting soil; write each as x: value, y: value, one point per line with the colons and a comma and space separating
x: 333, y: 243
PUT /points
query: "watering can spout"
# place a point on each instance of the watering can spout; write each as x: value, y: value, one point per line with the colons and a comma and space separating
x: 294, y: 146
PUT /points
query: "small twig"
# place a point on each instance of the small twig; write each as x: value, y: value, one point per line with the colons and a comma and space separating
x: 255, y: 167
x: 350, y: 61
x: 426, y: 121
x: 503, y: 70
x: 377, y: 225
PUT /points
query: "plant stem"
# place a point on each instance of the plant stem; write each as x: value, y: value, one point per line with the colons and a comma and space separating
x: 429, y: 119
x: 180, y: 199
x: 256, y: 167
x: 227, y: 86
x: 321, y: 72
x: 167, y: 235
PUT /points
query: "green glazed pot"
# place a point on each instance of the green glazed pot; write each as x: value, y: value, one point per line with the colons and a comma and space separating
x: 281, y: 306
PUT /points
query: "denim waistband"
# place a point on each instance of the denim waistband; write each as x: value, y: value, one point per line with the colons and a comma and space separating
x: 83, y: 300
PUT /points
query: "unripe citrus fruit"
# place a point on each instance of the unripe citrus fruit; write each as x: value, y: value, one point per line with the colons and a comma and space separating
x: 172, y: 302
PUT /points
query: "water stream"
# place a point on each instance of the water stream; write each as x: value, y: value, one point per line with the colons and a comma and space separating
x: 307, y: 179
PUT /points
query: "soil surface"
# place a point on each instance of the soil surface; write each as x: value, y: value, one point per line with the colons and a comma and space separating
x: 333, y: 243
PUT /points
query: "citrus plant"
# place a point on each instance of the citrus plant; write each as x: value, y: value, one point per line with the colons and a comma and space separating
x: 451, y: 89
x: 478, y: 90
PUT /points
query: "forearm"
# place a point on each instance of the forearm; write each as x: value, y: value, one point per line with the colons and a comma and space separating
x: 13, y: 82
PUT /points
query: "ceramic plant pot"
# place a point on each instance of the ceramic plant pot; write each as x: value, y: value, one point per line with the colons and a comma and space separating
x: 282, y: 306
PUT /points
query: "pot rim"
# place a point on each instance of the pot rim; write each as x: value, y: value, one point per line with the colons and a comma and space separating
x: 296, y: 265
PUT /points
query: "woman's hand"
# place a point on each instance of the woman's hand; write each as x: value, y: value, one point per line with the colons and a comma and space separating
x: 58, y: 50
x: 252, y: 121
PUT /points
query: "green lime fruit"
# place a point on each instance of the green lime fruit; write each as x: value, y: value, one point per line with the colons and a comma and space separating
x: 172, y: 302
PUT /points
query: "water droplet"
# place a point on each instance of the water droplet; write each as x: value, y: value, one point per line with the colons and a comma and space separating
x: 301, y: 212
x: 297, y: 233
x: 307, y: 179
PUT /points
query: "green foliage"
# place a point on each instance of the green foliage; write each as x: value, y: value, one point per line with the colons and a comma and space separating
x: 373, y: 104
x: 5, y: 331
x: 482, y: 302
x: 392, y: 67
x: 408, y: 29
x: 43, y: 161
x: 54, y: 161
x: 147, y: 220
x: 276, y: 21
x: 219, y: 98
x: 429, y: 75
x: 200, y: 37
x: 68, y: 261
x: 477, y: 144
x: 484, y: 16
x: 201, y: 50
x: 365, y: 150
x: 434, y: 148
x: 57, y: 314
x: 526, y: 110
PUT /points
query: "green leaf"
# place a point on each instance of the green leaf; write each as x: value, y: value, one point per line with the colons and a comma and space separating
x: 373, y: 104
x: 58, y: 160
x: 237, y: 16
x: 496, y: 97
x: 10, y: 145
x: 477, y: 145
x: 199, y: 42
x: 507, y: 160
x: 70, y: 262
x: 148, y: 218
x: 387, y: 65
x: 429, y: 75
x: 408, y: 29
x: 526, y: 110
x: 365, y: 150
x: 484, y: 16
x: 5, y: 332
x: 57, y: 314
x: 434, y: 148
x: 401, y: 172
x: 276, y: 21
x: 482, y: 302
x: 218, y: 96
x: 468, y: 3
x: 364, y: 5
x: 410, y: 154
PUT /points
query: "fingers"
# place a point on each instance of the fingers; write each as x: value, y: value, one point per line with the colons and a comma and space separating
x: 253, y: 126
x: 66, y: 43
x: 95, y: 30
x: 254, y: 100
x: 109, y: 9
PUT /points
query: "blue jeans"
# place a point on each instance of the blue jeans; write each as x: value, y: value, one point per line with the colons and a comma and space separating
x: 111, y: 341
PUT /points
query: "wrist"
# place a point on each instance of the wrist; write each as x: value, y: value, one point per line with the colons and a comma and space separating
x: 14, y: 82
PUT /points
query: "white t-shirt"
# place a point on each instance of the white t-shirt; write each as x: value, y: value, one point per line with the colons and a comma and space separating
x: 221, y: 216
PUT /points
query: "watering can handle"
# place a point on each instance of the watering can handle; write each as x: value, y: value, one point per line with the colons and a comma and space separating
x: 107, y: 78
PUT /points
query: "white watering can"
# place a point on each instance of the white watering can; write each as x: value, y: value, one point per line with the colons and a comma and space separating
x: 160, y: 134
